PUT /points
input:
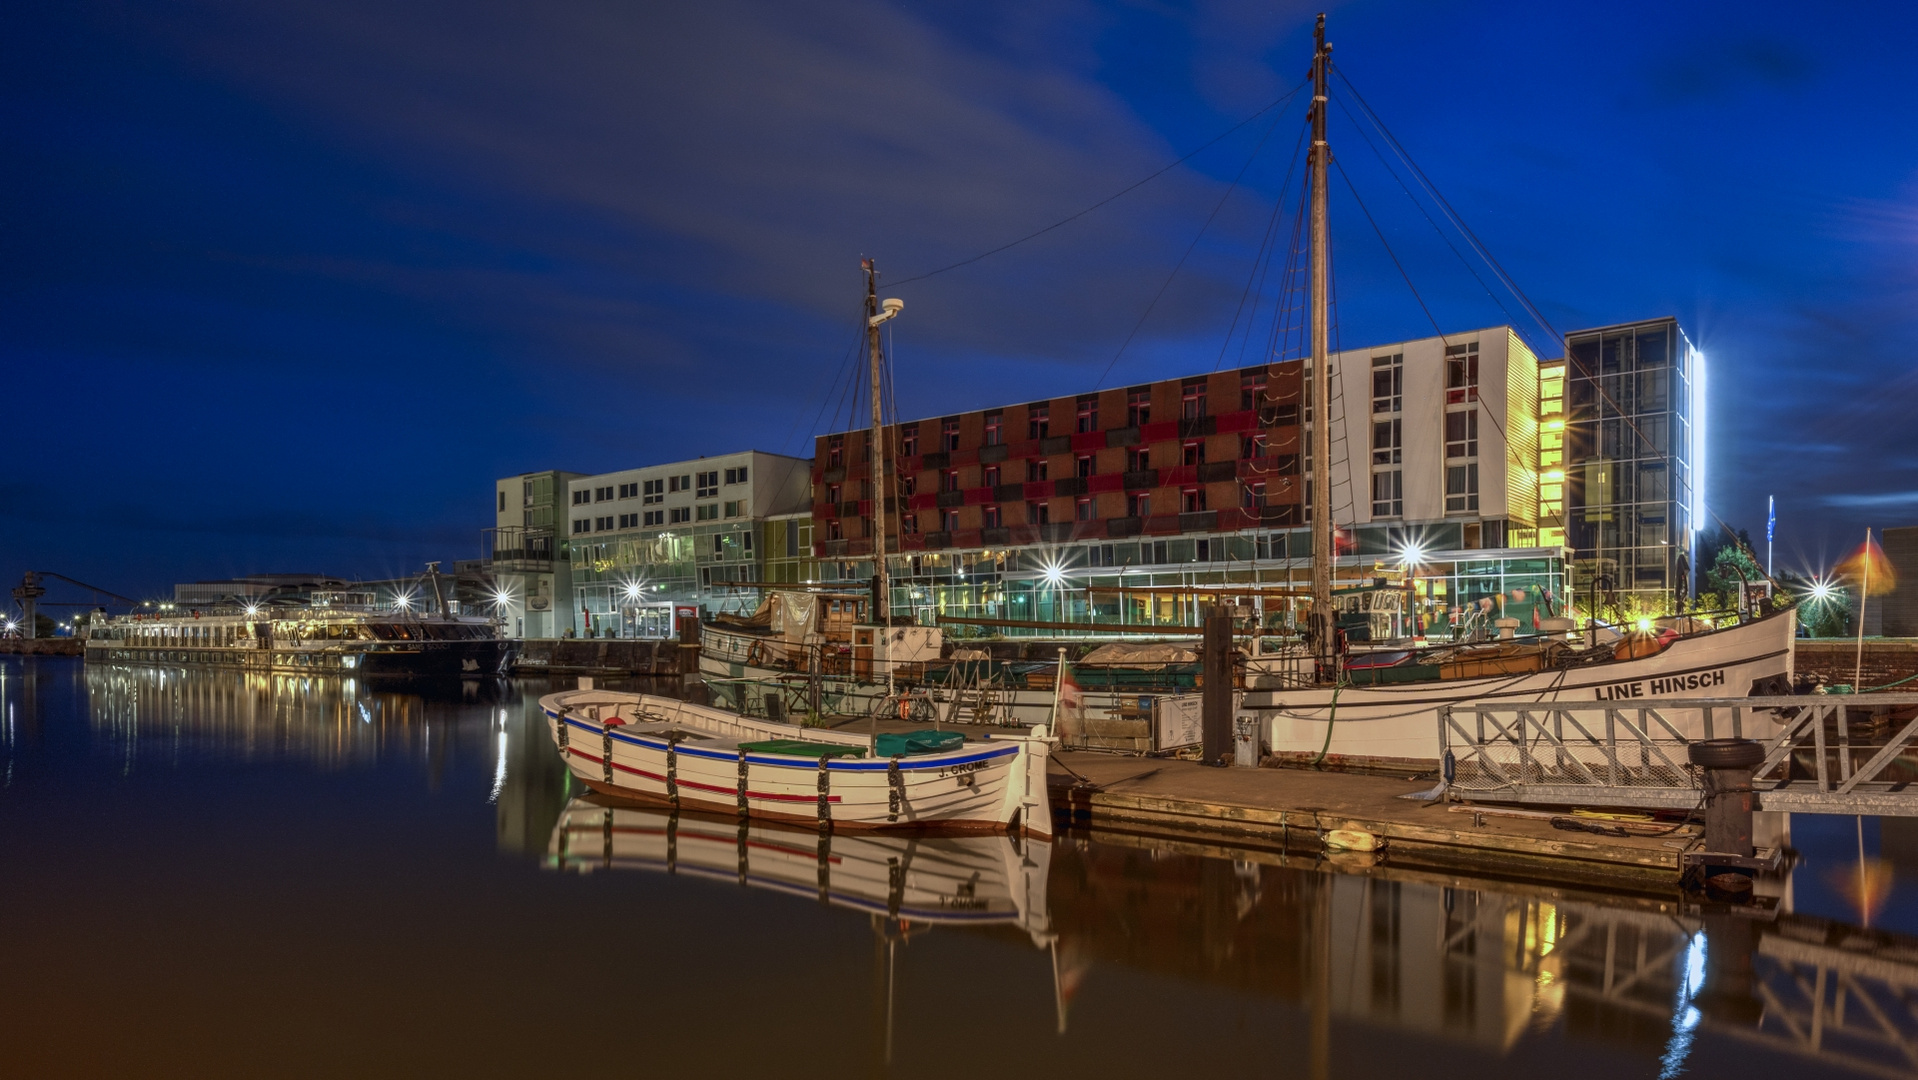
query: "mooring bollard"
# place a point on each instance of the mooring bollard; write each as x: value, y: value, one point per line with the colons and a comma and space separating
x: 1245, y: 742
x: 1728, y: 765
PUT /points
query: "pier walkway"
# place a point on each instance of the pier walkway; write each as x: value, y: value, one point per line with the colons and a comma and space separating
x: 1292, y: 808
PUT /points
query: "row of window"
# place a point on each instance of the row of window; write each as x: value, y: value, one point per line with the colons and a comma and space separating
x: 676, y: 515
x: 703, y: 485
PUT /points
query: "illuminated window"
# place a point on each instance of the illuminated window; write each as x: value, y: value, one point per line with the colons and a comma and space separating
x: 1461, y: 373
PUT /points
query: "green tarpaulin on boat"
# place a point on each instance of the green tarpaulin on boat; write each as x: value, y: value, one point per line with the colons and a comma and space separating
x: 797, y: 748
x: 923, y: 741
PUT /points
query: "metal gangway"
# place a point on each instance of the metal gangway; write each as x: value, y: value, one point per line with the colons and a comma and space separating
x: 1824, y: 753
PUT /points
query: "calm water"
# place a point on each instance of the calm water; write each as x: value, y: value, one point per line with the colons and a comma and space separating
x: 215, y: 875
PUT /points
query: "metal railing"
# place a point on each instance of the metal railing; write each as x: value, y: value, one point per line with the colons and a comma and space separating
x: 1837, y: 754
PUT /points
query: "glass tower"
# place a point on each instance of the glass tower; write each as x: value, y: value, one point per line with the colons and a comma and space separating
x: 1633, y: 465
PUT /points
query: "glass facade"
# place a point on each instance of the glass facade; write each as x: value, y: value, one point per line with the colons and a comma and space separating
x: 1630, y: 464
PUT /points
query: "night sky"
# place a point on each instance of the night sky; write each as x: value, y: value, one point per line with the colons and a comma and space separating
x: 287, y: 285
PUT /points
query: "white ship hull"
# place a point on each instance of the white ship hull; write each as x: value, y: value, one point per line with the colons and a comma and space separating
x: 960, y: 880
x: 1399, y: 723
x: 666, y: 750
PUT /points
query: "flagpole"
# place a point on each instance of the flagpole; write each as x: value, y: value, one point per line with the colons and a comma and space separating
x: 1771, y: 524
x: 1864, y: 594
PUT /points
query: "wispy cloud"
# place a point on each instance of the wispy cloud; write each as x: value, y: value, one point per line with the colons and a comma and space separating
x: 1877, y: 498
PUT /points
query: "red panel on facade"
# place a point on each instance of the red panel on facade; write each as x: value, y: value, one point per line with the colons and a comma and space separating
x: 1105, y: 482
x: 924, y: 501
x: 965, y: 457
x: 966, y: 538
x: 1236, y: 421
x: 1089, y: 440
x: 1023, y: 448
x: 1179, y: 474
x: 1162, y: 525
x: 1038, y: 489
x: 912, y: 542
x: 1233, y: 519
x: 908, y: 466
x: 978, y: 496
x: 856, y: 470
x: 865, y: 508
x: 1159, y: 432
x: 825, y: 511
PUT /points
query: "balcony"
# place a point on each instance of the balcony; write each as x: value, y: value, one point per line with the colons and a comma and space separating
x: 1201, y: 521
x: 990, y: 455
x: 1215, y: 472
x: 1141, y: 480
x: 1071, y: 485
x: 1120, y: 528
x: 1125, y: 436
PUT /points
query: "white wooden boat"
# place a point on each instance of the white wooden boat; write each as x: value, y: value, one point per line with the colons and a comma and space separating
x: 1386, y: 724
x: 956, y: 880
x: 697, y: 757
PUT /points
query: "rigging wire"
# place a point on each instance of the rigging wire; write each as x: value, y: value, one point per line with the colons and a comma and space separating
x: 1457, y: 221
x: 1200, y: 235
x: 1261, y: 262
x: 1268, y: 107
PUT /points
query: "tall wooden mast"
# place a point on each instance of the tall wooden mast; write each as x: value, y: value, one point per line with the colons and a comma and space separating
x: 1323, y: 554
x: 876, y: 450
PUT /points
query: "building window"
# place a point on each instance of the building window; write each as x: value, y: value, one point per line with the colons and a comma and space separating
x: 909, y: 523
x: 680, y: 514
x: 908, y: 485
x: 734, y: 508
x: 1251, y: 389
x: 629, y: 491
x: 1088, y: 414
x: 1191, y: 500
x: 991, y: 476
x: 708, y: 512
x: 835, y: 493
x: 1388, y: 493
x: 708, y: 485
x: 1038, y: 421
x: 604, y: 494
x: 1461, y: 373
x: 949, y: 521
x: 1138, y: 459
x: 655, y: 517
x: 1192, y: 399
x: 995, y: 428
x: 629, y: 521
x: 949, y: 480
x: 1035, y: 470
x: 1038, y: 513
x: 1252, y: 446
x: 989, y: 516
x: 581, y: 525
x: 736, y: 476
x: 1138, y: 406
x: 604, y: 524
x: 949, y: 433
x: 679, y: 483
x: 582, y: 496
x: 502, y: 502
x: 1461, y: 434
x: 835, y: 452
x: 1388, y: 383
x: 652, y: 491
x: 909, y: 441
x: 1138, y: 505
x: 1084, y: 466
x: 1082, y: 508
x: 1461, y: 488
x: 835, y: 530
x: 1252, y: 495
x: 1202, y: 551
x: 1387, y: 447
x: 1193, y: 452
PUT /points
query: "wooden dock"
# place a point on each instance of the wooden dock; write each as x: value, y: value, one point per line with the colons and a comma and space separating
x: 1291, y: 809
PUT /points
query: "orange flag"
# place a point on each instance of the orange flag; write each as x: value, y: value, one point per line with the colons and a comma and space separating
x: 1869, y: 567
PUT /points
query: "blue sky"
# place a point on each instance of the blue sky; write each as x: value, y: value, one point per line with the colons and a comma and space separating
x: 286, y: 286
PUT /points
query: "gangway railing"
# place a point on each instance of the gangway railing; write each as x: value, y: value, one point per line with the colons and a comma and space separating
x: 1824, y: 753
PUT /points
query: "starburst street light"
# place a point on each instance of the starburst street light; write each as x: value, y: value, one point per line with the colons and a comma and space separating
x: 1822, y: 589
x: 1412, y: 555
x: 403, y: 601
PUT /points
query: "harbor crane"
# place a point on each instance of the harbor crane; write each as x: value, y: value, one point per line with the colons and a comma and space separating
x: 27, y: 595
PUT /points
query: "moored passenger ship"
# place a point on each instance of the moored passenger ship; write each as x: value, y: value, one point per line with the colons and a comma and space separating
x: 323, y: 640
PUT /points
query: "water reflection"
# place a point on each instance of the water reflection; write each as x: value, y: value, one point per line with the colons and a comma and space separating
x: 1468, y: 971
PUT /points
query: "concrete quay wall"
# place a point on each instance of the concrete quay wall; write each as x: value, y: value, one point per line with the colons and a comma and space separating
x: 58, y: 646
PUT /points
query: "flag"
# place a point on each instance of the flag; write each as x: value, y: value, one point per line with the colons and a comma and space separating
x: 1869, y: 567
x: 1771, y: 517
x: 1071, y: 697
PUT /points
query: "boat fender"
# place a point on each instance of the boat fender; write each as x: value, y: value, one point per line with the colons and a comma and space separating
x: 1353, y: 840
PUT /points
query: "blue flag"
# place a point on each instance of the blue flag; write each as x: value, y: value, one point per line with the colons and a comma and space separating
x: 1771, y: 517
